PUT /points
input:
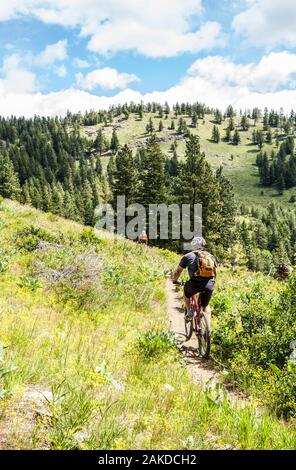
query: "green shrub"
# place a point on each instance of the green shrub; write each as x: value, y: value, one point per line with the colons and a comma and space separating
x: 4, y: 259
x: 71, y: 410
x: 29, y: 282
x: 88, y: 237
x: 4, y: 372
x: 226, y: 336
x: 154, y: 343
x: 30, y: 236
x: 254, y: 338
x: 74, y: 276
x: 285, y: 392
x: 221, y: 302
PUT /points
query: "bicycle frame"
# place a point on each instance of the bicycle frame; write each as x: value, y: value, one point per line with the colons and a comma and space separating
x: 195, y: 304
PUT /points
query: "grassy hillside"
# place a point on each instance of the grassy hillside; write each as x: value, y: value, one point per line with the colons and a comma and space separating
x: 241, y: 169
x: 87, y: 360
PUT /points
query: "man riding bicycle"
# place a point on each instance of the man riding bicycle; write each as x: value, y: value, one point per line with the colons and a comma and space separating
x: 202, y: 268
x: 283, y: 271
x: 143, y: 237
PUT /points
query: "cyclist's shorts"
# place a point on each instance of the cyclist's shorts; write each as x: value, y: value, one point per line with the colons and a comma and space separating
x: 205, y: 286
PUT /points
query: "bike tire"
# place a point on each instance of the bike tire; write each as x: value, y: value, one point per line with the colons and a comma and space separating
x: 188, y: 329
x: 204, y: 337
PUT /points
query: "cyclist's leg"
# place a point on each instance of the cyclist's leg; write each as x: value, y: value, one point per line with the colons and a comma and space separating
x: 190, y: 289
x: 186, y: 300
x: 206, y: 295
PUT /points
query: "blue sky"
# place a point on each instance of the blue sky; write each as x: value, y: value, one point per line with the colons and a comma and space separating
x: 60, y: 54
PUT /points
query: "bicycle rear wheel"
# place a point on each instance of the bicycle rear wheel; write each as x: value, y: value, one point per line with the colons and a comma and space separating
x: 204, y: 337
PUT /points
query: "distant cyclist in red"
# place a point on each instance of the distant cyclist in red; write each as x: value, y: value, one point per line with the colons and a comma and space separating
x: 143, y: 237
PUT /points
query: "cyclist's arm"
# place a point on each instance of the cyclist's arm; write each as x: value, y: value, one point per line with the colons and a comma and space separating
x: 177, y: 273
x: 216, y: 267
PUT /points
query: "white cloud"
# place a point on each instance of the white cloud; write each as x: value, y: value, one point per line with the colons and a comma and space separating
x: 106, y: 78
x: 80, y: 63
x: 156, y: 28
x: 61, y: 71
x: 13, y: 8
x: 163, y: 42
x: 16, y: 76
x: 267, y: 22
x: 215, y: 81
x: 16, y: 79
x: 272, y: 72
x: 52, y: 53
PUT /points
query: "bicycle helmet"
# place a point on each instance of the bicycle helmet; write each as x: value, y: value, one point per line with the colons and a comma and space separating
x: 198, y: 243
x: 283, y: 268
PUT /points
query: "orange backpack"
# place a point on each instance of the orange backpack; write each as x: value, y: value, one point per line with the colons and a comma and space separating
x: 205, y: 264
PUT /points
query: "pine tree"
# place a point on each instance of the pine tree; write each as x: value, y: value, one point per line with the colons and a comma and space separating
x: 231, y: 125
x: 172, y: 165
x: 160, y: 126
x: 194, y: 120
x: 88, y: 204
x: 47, y: 204
x: 255, y: 137
x: 269, y: 136
x: 166, y: 109
x: 197, y: 185
x: 215, y: 135
x: 150, y: 126
x: 228, y: 136
x: 260, y: 139
x: 57, y: 198
x: 180, y: 129
x: 265, y: 119
x: 236, y: 138
x: 111, y: 168
x: 9, y: 183
x: 218, y: 117
x: 245, y: 123
x: 281, y: 184
x: 99, y: 143
x: 230, y: 112
x: 125, y: 177
x: 98, y: 167
x: 70, y: 209
x: 256, y: 113
x: 114, y: 144
x: 152, y: 178
x: 265, y: 170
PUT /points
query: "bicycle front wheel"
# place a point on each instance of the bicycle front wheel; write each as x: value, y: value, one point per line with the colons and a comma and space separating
x: 188, y: 328
x: 204, y: 337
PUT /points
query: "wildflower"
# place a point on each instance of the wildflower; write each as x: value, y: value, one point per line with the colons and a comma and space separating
x: 118, y: 385
x: 169, y: 387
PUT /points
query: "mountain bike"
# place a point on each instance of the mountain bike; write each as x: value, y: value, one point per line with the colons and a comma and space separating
x: 199, y: 324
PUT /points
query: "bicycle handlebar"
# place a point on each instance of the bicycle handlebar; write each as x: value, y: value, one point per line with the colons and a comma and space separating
x: 178, y: 283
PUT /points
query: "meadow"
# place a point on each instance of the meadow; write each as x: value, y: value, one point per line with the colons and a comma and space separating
x: 84, y: 326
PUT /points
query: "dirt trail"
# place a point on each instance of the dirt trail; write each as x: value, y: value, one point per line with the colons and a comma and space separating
x: 201, y: 370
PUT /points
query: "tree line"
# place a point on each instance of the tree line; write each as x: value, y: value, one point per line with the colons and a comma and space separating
x: 278, y: 169
x: 47, y: 162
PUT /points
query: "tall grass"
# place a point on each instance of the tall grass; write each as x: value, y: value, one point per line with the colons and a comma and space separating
x: 112, y: 375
